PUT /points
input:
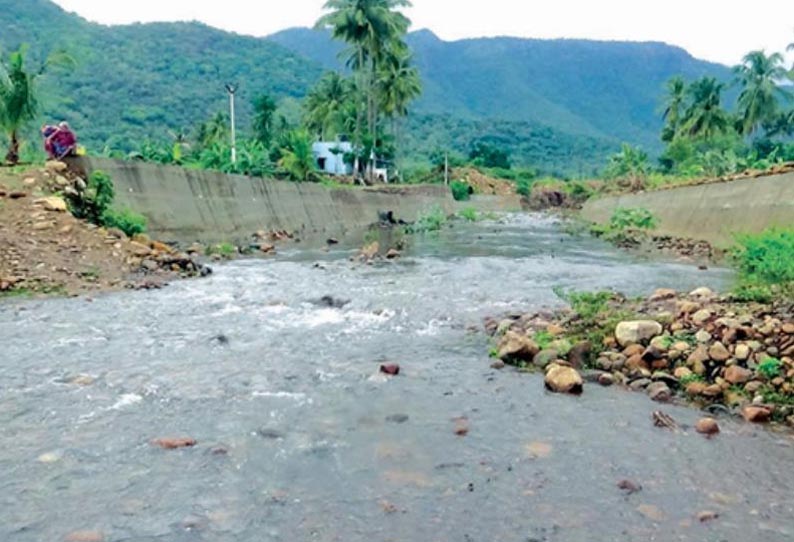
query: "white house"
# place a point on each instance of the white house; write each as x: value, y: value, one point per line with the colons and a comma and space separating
x: 330, y: 157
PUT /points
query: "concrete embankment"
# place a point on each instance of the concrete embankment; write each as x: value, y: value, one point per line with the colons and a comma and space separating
x: 711, y: 212
x: 187, y: 205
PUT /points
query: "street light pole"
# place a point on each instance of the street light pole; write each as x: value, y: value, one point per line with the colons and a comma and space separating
x: 232, y: 89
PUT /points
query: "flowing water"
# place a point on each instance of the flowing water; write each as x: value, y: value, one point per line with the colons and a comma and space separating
x: 300, y: 438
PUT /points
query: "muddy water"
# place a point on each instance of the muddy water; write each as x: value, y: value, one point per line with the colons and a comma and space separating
x: 299, y: 438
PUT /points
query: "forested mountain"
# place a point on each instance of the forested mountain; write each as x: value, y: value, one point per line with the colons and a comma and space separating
x: 562, y: 105
x: 608, y: 90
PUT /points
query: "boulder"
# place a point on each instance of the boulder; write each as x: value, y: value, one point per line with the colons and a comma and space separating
x: 707, y: 426
x: 719, y: 353
x: 659, y: 392
x: 757, y: 414
x: 738, y: 375
x: 514, y: 346
x: 53, y: 203
x: 628, y: 333
x: 701, y: 317
x: 544, y: 358
x: 702, y: 293
x: 579, y: 354
x: 562, y: 379
x: 662, y: 294
x: 393, y: 254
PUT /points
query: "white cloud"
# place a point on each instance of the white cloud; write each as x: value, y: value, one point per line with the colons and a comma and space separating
x: 711, y: 29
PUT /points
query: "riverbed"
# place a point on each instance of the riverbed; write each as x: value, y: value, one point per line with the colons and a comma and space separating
x: 301, y: 439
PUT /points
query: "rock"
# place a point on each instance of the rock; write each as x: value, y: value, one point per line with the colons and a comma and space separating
x: 660, y: 419
x: 461, y: 426
x: 174, y: 443
x: 682, y: 372
x: 662, y: 294
x: 150, y: 265
x: 545, y: 357
x: 332, y: 241
x: 738, y: 375
x: 742, y: 352
x: 562, y: 379
x: 579, y: 354
x: 629, y: 486
x: 713, y: 391
x: 48, y: 458
x: 628, y: 333
x: 267, y: 248
x: 702, y: 293
x: 17, y: 194
x: 703, y: 336
x: 55, y: 166
x: 393, y: 254
x: 756, y: 414
x: 659, y: 392
x: 30, y: 181
x: 370, y: 251
x: 555, y: 330
x: 634, y: 350
x: 517, y: 347
x: 391, y: 369
x: 707, y: 515
x: 139, y: 249
x: 640, y: 384
x: 85, y: 536
x: 718, y: 352
x: 117, y: 233
x: 701, y: 317
x: 498, y: 365
x: 707, y: 426
x: 606, y: 379
x: 695, y: 388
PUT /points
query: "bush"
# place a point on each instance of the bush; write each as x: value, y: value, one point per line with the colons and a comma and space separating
x: 524, y: 187
x: 639, y: 218
x: 127, y: 221
x: 469, y: 213
x: 95, y: 200
x: 431, y: 221
x: 766, y: 258
x: 460, y: 191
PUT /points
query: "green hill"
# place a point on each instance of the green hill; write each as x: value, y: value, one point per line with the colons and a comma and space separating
x: 559, y: 105
x: 606, y: 90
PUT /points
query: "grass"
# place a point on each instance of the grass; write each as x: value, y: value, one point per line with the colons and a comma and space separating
x: 469, y: 213
x: 765, y: 264
x: 626, y: 226
x: 226, y: 250
x: 432, y: 221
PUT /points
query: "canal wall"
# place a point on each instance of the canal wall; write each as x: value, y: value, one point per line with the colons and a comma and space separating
x: 185, y: 205
x: 713, y: 212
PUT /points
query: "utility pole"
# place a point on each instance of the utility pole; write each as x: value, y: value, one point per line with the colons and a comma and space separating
x: 232, y: 89
x: 446, y: 168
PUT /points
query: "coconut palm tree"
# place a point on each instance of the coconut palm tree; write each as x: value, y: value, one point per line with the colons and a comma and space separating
x: 759, y: 76
x: 369, y: 27
x: 705, y: 116
x: 399, y: 83
x: 19, y: 102
x: 328, y: 105
x: 674, y: 107
x: 264, y: 115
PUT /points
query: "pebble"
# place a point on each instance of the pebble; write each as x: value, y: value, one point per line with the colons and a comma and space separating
x: 50, y: 457
x: 174, y: 443
x: 391, y: 369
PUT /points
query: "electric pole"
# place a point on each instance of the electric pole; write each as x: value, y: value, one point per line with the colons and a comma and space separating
x: 232, y: 89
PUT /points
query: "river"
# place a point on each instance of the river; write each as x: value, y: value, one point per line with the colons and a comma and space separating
x: 300, y: 439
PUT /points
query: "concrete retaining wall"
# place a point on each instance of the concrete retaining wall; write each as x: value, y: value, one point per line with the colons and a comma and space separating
x: 711, y: 212
x: 189, y: 205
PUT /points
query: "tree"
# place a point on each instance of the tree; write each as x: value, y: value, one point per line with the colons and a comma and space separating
x: 18, y: 100
x: 630, y: 163
x: 485, y: 155
x: 399, y: 83
x: 330, y: 106
x: 215, y: 130
x: 297, y: 158
x: 370, y: 27
x: 264, y: 114
x: 759, y: 76
x: 705, y: 116
x: 674, y: 107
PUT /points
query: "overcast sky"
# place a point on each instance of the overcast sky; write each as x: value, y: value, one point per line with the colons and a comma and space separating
x: 718, y: 30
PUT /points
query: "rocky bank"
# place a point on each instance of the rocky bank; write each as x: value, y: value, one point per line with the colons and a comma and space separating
x: 698, y: 348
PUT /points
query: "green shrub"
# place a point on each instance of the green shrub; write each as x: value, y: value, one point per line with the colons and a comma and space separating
x: 433, y: 220
x: 226, y: 250
x: 770, y: 368
x: 524, y: 187
x: 95, y: 200
x: 766, y: 258
x: 460, y: 191
x: 638, y: 218
x: 745, y: 292
x: 469, y: 213
x: 129, y: 222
